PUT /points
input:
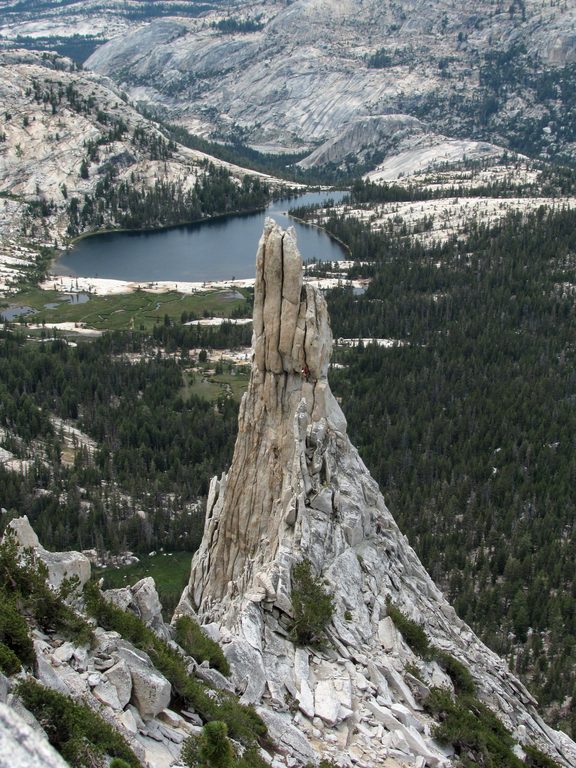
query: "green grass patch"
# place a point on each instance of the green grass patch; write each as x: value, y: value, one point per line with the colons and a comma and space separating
x: 170, y: 572
x: 138, y: 310
x: 213, y: 387
x: 235, y: 383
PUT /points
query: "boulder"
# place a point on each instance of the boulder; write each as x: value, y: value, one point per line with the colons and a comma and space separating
x: 214, y: 678
x: 248, y: 673
x: 119, y: 676
x: 106, y: 694
x: 65, y: 565
x: 287, y: 737
x: 326, y: 702
x: 151, y: 691
x: 24, y: 533
x: 23, y: 747
x: 60, y: 565
x: 306, y: 699
x: 147, y: 601
x: 48, y: 676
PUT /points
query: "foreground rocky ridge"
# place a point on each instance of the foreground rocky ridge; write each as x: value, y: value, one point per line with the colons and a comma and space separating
x: 298, y: 489
x: 113, y: 677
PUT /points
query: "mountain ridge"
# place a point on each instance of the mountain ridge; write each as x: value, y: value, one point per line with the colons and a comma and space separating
x: 313, y: 66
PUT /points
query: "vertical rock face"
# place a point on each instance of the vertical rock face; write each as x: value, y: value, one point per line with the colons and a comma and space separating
x: 298, y: 489
x: 251, y: 507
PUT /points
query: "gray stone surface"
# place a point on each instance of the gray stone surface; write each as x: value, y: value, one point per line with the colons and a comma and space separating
x: 304, y: 79
x: 23, y: 747
x: 287, y: 737
x: 60, y: 565
x: 119, y: 676
x: 150, y: 689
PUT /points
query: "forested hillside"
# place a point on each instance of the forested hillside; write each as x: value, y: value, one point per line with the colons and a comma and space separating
x: 157, y: 446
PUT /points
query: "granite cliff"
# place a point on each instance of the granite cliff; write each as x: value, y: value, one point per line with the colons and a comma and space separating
x: 298, y: 490
x: 285, y: 75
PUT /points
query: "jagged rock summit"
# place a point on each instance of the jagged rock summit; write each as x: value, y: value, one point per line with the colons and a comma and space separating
x: 297, y: 489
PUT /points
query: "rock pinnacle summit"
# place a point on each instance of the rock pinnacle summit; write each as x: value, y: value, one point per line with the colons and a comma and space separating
x: 297, y: 491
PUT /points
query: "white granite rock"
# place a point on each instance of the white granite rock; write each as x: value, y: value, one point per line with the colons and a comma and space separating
x: 119, y: 676
x: 107, y: 694
x: 287, y: 737
x: 61, y: 565
x: 23, y: 747
x: 306, y: 699
x: 151, y: 691
x: 326, y: 704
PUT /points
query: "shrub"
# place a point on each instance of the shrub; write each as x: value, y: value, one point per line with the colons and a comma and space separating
x: 24, y: 591
x: 250, y: 759
x: 313, y: 606
x: 537, y: 759
x: 476, y: 734
x: 189, y: 754
x: 9, y: 663
x: 414, y: 670
x: 196, y: 643
x: 14, y: 633
x: 214, y: 747
x: 458, y: 672
x: 80, y: 735
x: 414, y: 635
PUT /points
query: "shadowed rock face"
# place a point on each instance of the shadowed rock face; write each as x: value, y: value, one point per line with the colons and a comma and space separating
x: 298, y: 489
x: 292, y: 348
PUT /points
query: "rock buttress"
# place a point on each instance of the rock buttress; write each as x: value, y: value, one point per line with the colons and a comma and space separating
x: 247, y: 508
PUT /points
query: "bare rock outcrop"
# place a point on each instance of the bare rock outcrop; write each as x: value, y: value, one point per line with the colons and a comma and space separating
x: 250, y: 507
x: 21, y: 746
x: 60, y: 565
x: 297, y: 489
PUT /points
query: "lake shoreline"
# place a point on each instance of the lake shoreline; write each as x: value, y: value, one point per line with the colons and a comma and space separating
x: 209, y: 254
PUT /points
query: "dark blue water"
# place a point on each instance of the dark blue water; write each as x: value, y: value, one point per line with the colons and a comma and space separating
x: 11, y: 313
x: 212, y: 250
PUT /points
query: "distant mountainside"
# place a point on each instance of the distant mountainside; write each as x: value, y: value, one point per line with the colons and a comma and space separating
x: 76, y: 157
x: 75, y: 28
x: 286, y: 75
